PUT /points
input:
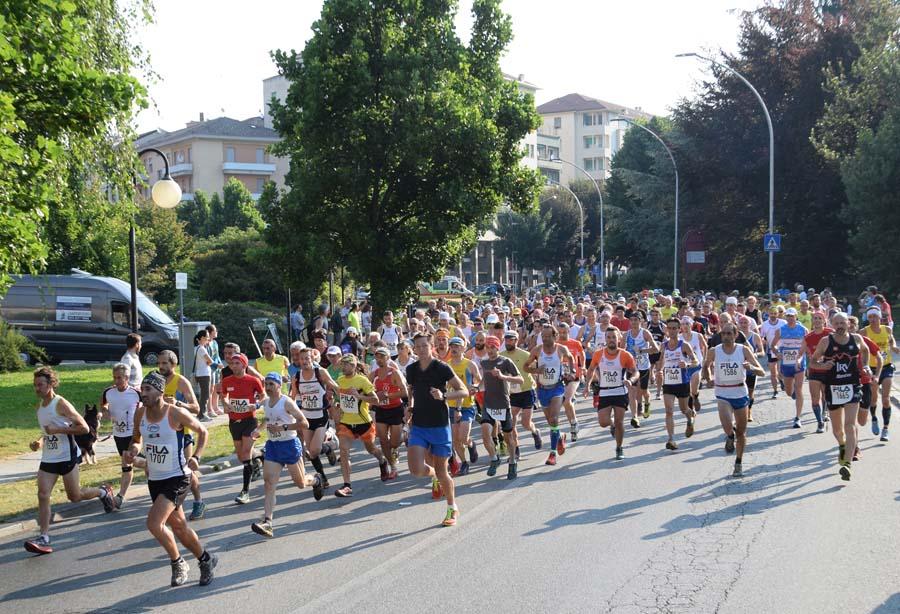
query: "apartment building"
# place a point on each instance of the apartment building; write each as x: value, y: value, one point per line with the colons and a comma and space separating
x: 586, y: 136
x: 205, y: 154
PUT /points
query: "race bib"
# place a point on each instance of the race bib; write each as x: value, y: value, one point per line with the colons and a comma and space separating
x: 240, y: 406
x: 392, y: 348
x: 549, y: 377
x: 157, y: 456
x: 515, y: 388
x: 643, y: 361
x: 610, y: 378
x: 841, y: 395
x: 790, y: 355
x: 497, y: 414
x: 728, y: 373
x: 281, y: 434
x: 121, y: 427
x: 349, y: 404
x: 51, y: 442
x: 672, y: 376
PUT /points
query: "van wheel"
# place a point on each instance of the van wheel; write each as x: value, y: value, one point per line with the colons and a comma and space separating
x: 149, y: 356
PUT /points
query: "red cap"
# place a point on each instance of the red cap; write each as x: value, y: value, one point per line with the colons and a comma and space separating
x: 242, y: 358
x: 492, y: 342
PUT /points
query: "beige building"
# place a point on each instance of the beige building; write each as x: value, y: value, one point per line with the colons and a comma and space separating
x: 586, y: 135
x: 205, y: 154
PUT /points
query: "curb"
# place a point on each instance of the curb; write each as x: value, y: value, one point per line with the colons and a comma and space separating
x: 65, y: 511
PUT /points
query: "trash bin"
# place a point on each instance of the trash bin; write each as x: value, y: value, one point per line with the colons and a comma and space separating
x: 187, y: 345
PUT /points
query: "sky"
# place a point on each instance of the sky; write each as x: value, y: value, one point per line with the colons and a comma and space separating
x: 212, y: 55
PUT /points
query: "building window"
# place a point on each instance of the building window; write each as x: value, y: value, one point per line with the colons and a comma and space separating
x: 229, y: 154
x: 550, y: 173
x: 553, y: 153
x: 557, y: 122
x: 542, y: 151
x: 588, y: 164
x: 594, y: 164
x: 189, y: 155
x: 260, y: 184
x: 179, y: 157
x: 260, y: 155
x: 530, y: 150
x: 588, y: 119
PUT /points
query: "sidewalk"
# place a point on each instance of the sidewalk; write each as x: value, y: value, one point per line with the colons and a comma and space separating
x: 25, y: 466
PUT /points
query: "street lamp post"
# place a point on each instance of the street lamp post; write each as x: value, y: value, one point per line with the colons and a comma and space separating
x: 600, y: 195
x: 166, y: 193
x: 771, y: 151
x: 675, y: 166
x: 581, y: 233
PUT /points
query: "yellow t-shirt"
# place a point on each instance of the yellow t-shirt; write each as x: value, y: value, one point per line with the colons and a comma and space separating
x: 883, y: 339
x: 461, y: 369
x: 278, y: 364
x: 805, y: 319
x: 667, y: 312
x: 519, y: 358
x: 354, y: 411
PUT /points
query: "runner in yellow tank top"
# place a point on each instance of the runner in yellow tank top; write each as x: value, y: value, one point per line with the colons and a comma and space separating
x: 883, y: 337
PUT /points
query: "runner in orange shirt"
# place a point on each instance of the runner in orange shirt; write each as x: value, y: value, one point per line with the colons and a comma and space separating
x: 616, y: 374
x: 572, y: 387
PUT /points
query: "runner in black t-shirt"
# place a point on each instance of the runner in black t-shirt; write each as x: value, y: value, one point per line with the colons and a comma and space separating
x: 428, y: 380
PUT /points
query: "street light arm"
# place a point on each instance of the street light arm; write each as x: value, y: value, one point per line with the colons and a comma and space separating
x: 581, y: 218
x: 651, y: 133
x: 160, y: 154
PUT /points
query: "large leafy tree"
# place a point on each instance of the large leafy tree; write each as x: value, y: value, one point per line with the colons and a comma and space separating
x: 164, y: 249
x: 66, y: 96
x: 404, y: 142
x: 235, y: 209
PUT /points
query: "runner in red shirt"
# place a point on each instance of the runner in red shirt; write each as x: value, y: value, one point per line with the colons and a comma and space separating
x: 817, y: 378
x: 241, y: 393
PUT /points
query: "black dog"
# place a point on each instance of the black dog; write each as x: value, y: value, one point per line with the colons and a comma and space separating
x: 86, y: 441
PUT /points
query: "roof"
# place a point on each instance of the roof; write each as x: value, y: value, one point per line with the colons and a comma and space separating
x: 580, y: 102
x: 520, y: 81
x: 221, y: 127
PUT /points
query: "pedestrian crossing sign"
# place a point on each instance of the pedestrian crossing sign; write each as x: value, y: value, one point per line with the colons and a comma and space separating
x: 772, y: 243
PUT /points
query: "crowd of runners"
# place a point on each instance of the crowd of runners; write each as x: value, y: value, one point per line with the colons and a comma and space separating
x: 419, y: 383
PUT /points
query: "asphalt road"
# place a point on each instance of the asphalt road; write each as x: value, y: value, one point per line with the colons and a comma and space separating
x: 657, y: 532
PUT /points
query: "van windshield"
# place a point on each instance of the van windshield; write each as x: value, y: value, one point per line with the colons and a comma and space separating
x: 152, y: 310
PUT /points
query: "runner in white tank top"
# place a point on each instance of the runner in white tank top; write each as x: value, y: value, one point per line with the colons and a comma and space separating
x: 731, y: 362
x: 309, y: 390
x: 553, y: 365
x: 159, y: 427
x: 698, y: 345
x: 59, y: 424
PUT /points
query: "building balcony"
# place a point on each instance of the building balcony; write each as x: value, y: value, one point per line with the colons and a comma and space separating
x: 176, y: 170
x: 248, y: 168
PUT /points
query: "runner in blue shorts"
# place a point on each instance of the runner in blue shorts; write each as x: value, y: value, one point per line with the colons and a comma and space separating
x: 553, y: 365
x: 791, y: 350
x: 431, y: 384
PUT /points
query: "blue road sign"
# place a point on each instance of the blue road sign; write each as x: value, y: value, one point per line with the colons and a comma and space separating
x: 581, y: 270
x: 772, y: 243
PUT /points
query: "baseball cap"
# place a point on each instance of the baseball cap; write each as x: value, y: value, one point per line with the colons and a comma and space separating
x: 443, y: 316
x: 242, y: 358
x: 333, y: 351
x: 790, y: 311
x: 457, y: 341
x: 492, y: 319
x: 382, y: 350
x: 873, y: 311
x: 731, y: 300
x: 510, y: 334
x: 348, y: 358
x: 492, y: 342
x: 352, y: 330
x: 274, y: 376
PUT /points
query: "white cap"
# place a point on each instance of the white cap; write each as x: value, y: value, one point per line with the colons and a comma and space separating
x: 790, y: 311
x: 873, y: 310
x: 352, y: 329
x: 492, y: 319
x: 443, y: 316
x: 333, y: 351
x: 731, y: 300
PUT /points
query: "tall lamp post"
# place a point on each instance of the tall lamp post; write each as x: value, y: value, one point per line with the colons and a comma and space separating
x: 771, y: 151
x: 581, y: 218
x: 166, y: 193
x: 599, y: 194
x: 675, y: 166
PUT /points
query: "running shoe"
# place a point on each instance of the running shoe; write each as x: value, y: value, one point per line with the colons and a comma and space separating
x: 796, y: 423
x: 635, y: 423
x: 263, y: 528
x: 749, y: 415
x: 689, y: 429
x: 180, y: 570
x: 197, y: 510
x: 875, y: 429
x: 242, y: 498
x: 343, y: 491
x: 697, y: 403
x: 729, y: 444
x: 884, y: 434
x: 856, y: 454
x: 450, y: 518
x: 738, y: 470
x: 551, y: 459
x: 436, y: 491
x: 384, y: 469
x: 332, y: 457
x: 820, y: 427
x: 120, y: 501
x: 620, y: 453
x: 256, y: 471
x: 454, y: 467
x: 473, y: 453
x: 463, y: 469
x: 845, y: 471
x: 612, y: 430
x: 561, y: 444
x: 107, y: 498
x: 318, y: 488
x: 492, y: 469
x: 774, y: 394
x: 573, y: 433
x: 671, y: 445
x: 512, y: 471
x: 206, y: 569
x: 538, y: 442
x: 647, y: 408
x: 39, y: 545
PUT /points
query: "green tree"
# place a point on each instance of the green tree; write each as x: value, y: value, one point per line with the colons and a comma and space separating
x: 524, y: 237
x: 163, y: 248
x: 196, y: 214
x: 404, y: 142
x: 233, y: 266
x: 66, y: 98
x: 235, y: 209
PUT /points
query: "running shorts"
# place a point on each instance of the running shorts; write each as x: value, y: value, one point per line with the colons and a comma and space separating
x: 174, y: 489
x: 437, y: 439
x: 284, y: 453
x: 242, y: 428
x: 506, y: 424
x: 546, y: 395
x: 736, y: 404
x: 619, y: 400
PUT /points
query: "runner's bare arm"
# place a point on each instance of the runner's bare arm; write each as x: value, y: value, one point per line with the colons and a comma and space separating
x: 301, y: 422
x: 751, y: 361
x: 78, y: 426
x: 187, y: 420
x: 187, y: 391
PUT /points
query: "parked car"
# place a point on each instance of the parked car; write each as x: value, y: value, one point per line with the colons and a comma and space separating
x: 492, y: 290
x: 84, y: 317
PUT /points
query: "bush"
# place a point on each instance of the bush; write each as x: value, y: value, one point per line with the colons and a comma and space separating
x: 234, y: 321
x: 12, y: 345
